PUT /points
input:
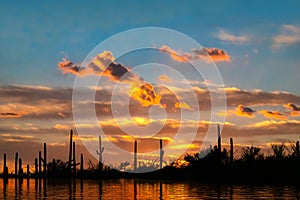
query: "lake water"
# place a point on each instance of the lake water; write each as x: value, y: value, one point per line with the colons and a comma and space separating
x: 137, y: 189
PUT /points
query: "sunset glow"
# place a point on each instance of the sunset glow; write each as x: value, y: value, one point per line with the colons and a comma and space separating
x: 150, y: 93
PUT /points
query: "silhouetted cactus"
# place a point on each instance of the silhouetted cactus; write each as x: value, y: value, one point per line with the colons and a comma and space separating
x: 161, y: 155
x: 219, y: 139
x: 70, y: 151
x: 5, y: 168
x: 295, y: 150
x: 231, y: 150
x: 100, y: 152
x: 40, y: 162
x: 45, y: 158
x: 74, y: 164
x: 74, y: 158
x: 20, y: 167
x: 16, y: 163
x: 135, y: 156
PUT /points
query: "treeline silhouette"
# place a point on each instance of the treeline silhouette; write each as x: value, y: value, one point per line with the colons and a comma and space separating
x: 215, y: 165
x: 252, y: 166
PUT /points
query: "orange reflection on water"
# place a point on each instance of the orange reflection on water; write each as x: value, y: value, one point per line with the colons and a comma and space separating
x: 136, y: 189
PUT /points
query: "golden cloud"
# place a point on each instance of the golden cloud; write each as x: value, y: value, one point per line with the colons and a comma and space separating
x: 294, y: 109
x: 244, y: 111
x: 273, y: 114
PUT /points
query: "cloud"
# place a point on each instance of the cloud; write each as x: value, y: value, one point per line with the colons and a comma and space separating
x: 290, y: 35
x: 182, y: 105
x: 235, y: 39
x: 259, y: 97
x: 294, y: 109
x: 273, y: 114
x: 206, y: 54
x: 103, y: 65
x: 272, y: 123
x: 175, y: 55
x: 292, y: 106
x: 146, y: 95
x: 217, y: 55
x: 68, y: 67
x: 244, y: 111
x: 10, y: 115
x: 164, y: 78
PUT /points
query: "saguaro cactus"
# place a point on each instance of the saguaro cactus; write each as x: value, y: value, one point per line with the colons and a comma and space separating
x: 45, y: 158
x: 16, y: 163
x: 70, y: 151
x: 20, y: 167
x: 5, y: 169
x: 219, y: 139
x: 101, y: 149
x: 161, y: 155
x: 231, y: 150
x: 40, y: 161
x: 135, y: 156
x: 74, y: 158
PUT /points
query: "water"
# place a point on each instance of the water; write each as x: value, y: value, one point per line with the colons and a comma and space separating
x: 137, y: 189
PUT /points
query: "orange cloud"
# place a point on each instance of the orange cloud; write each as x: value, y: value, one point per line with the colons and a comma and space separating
x: 174, y: 55
x: 272, y: 123
x: 295, y: 110
x: 141, y: 121
x: 103, y: 65
x: 67, y: 66
x: 182, y: 105
x: 207, y: 54
x: 145, y: 94
x: 244, y: 111
x: 273, y: 114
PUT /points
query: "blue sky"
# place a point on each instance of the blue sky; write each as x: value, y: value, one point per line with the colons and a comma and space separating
x: 35, y: 35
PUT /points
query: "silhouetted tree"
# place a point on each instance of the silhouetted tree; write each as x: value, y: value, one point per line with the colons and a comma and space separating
x: 278, y: 150
x: 251, y: 154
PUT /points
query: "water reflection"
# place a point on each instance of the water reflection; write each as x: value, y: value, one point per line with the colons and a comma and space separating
x: 136, y: 189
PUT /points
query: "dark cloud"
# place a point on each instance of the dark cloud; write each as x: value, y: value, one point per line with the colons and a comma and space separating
x: 217, y: 55
x: 259, y: 98
x: 68, y: 67
x: 10, y: 114
x: 244, y: 111
x: 293, y: 107
x: 102, y: 65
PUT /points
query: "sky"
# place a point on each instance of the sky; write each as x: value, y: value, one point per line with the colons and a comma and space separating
x: 255, y: 46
